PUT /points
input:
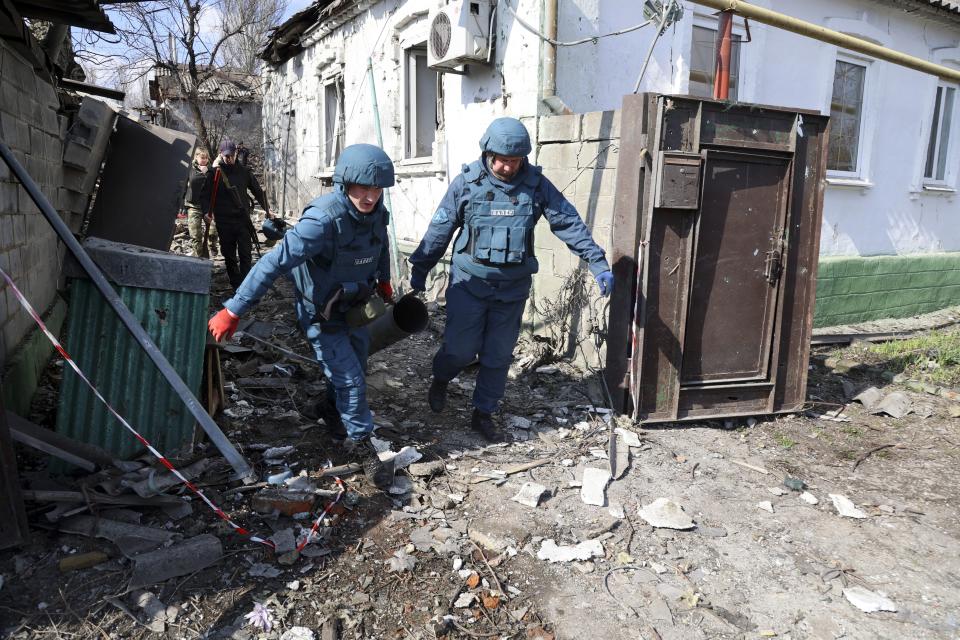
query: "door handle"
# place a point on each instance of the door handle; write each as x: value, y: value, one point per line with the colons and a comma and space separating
x: 772, y: 266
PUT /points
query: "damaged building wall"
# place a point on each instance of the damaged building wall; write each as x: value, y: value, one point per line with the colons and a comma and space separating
x: 890, y: 245
x: 579, y: 155
x: 301, y: 108
x: 877, y: 220
x: 29, y: 250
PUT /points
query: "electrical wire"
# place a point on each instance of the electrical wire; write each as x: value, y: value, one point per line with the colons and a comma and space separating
x: 557, y: 43
x: 665, y: 14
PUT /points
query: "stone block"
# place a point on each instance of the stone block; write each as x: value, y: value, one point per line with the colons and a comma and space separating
x: 563, y: 179
x: 16, y: 264
x: 558, y: 156
x: 600, y: 125
x: 596, y: 182
x: 47, y: 95
x: 496, y: 534
x: 19, y: 230
x: 21, y: 140
x: 9, y: 96
x: 76, y: 154
x: 9, y: 204
x: 559, y: 128
x: 599, y: 154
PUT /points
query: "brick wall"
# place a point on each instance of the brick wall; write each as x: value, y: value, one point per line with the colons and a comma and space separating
x: 578, y: 153
x: 29, y: 253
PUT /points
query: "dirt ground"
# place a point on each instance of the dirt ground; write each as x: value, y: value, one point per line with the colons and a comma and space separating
x: 760, y: 561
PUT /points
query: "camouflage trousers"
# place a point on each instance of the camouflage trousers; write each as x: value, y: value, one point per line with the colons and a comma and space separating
x: 203, y: 247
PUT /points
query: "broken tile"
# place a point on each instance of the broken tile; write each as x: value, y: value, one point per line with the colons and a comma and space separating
x: 666, y: 514
x: 845, y: 507
x: 263, y: 570
x: 869, y: 397
x: 766, y: 505
x: 629, y: 438
x: 530, y: 494
x: 809, y: 498
x: 868, y: 601
x: 896, y: 405
x: 552, y: 552
x: 180, y: 559
x: 284, y: 541
x: 594, y: 486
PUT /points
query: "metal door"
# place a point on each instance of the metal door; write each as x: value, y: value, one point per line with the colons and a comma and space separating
x: 720, y: 226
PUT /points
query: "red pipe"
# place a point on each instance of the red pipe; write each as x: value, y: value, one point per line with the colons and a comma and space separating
x: 721, y: 69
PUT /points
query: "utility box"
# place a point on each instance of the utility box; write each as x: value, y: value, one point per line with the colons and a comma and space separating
x: 716, y: 237
x: 169, y: 294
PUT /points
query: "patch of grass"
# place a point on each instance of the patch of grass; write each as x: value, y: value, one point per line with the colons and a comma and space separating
x: 850, y: 430
x: 933, y: 356
x: 784, y: 441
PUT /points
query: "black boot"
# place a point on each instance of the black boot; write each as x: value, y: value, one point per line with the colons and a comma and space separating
x: 483, y: 424
x: 437, y: 395
x: 327, y: 409
x: 376, y: 471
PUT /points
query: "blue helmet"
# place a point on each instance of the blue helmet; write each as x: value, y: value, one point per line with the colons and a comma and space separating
x: 364, y: 164
x: 506, y: 137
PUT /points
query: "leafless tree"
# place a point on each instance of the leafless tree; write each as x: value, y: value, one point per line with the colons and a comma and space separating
x: 190, y: 40
x: 257, y: 18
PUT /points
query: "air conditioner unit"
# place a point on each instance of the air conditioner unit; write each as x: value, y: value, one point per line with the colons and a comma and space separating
x: 459, y: 34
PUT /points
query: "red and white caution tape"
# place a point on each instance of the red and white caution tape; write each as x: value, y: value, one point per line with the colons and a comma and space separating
x: 159, y: 456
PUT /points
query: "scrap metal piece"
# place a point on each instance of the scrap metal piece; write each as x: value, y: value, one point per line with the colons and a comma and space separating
x: 181, y: 559
x: 131, y: 539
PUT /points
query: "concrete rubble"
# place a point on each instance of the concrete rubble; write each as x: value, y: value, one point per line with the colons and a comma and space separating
x: 490, y: 538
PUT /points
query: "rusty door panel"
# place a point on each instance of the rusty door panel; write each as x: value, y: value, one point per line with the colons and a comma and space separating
x: 739, y: 239
x: 667, y: 270
x: 721, y: 309
x: 708, y: 402
x: 751, y: 130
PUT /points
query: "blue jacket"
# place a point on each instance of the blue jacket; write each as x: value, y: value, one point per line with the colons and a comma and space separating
x: 332, y: 246
x: 496, y: 220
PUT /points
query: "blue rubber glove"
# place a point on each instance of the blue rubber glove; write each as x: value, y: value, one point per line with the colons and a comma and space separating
x: 605, y: 282
x: 418, y: 283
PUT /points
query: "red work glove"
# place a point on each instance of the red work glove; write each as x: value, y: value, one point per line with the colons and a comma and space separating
x: 223, y: 325
x: 386, y: 290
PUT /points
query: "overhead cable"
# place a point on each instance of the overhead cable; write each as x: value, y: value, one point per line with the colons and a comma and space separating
x: 573, y: 43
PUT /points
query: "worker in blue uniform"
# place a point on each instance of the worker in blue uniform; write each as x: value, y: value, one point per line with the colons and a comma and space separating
x: 494, y: 204
x: 338, y: 257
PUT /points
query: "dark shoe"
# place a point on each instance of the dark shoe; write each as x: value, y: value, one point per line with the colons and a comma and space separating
x: 437, y: 395
x: 378, y: 472
x: 331, y: 417
x: 483, y: 424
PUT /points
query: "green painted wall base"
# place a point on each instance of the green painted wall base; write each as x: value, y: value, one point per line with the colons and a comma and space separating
x: 22, y: 376
x: 859, y: 289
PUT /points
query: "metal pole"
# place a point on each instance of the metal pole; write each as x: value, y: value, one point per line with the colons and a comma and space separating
x: 239, y: 464
x: 721, y: 68
x: 394, y: 249
x: 815, y: 31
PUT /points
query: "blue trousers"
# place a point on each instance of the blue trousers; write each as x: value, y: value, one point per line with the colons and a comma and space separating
x: 343, y: 355
x: 486, y: 326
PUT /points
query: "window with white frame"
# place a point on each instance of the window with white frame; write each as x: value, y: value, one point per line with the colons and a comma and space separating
x: 420, y: 108
x: 846, y: 117
x: 333, y: 120
x: 703, y: 59
x: 936, y: 162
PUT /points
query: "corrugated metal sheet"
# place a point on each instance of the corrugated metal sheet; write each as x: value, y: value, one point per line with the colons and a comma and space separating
x: 105, y: 351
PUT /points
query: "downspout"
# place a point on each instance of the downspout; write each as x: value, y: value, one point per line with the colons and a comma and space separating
x: 549, y: 100
x: 394, y: 249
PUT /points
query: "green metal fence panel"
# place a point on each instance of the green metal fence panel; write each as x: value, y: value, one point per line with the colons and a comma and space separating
x: 116, y: 364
